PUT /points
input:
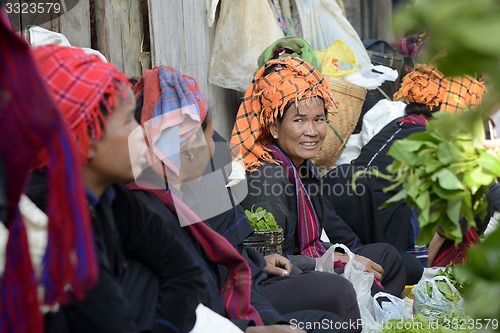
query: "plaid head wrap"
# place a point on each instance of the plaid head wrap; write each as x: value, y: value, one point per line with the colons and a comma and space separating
x: 292, y: 80
x: 81, y: 84
x: 173, y: 111
x: 426, y: 85
x: 29, y: 123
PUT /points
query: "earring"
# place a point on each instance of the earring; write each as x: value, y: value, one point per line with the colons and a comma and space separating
x: 189, y: 156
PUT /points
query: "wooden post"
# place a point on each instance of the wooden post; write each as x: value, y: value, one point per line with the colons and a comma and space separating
x: 119, y: 33
x: 75, y: 24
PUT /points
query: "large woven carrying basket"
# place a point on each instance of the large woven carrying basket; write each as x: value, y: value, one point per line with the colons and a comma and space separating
x: 349, y: 98
x: 266, y: 241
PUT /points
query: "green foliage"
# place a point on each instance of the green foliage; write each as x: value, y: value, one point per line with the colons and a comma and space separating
x: 261, y: 219
x: 466, y: 31
x: 443, y: 173
x: 455, y: 321
x: 457, y: 276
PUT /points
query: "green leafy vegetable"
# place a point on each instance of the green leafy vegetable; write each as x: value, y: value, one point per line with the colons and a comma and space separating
x: 261, y: 219
x: 443, y: 173
x: 456, y: 275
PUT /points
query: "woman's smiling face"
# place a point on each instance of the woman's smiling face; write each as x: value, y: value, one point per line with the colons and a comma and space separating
x: 302, y: 130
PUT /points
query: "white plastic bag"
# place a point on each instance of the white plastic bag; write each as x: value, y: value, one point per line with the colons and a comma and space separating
x: 245, y: 28
x: 393, y: 309
x: 372, y: 77
x: 354, y: 271
x: 435, y: 304
x: 323, y: 23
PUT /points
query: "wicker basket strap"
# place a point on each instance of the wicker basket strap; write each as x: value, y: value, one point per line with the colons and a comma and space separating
x: 336, y: 132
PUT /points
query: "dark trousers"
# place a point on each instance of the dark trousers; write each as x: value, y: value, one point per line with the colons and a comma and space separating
x: 394, y: 276
x: 313, y: 290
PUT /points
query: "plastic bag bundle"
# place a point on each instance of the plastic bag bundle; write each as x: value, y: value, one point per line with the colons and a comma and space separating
x: 354, y: 271
x: 432, y: 299
x: 337, y: 60
x: 323, y: 23
x: 393, y: 308
x: 244, y: 29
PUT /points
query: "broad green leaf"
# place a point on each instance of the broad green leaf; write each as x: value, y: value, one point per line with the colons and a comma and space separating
x: 423, y: 201
x: 401, y: 195
x: 447, y: 153
x: 446, y: 194
x: 490, y: 163
x: 259, y: 214
x: 403, y: 150
x: 453, y: 209
x: 432, y: 166
x: 447, y: 180
x: 426, y: 234
x: 480, y: 178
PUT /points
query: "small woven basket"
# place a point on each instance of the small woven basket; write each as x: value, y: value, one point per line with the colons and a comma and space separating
x: 266, y: 241
x: 349, y: 98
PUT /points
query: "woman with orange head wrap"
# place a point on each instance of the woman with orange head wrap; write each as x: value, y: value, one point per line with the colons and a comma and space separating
x: 426, y: 90
x: 280, y: 126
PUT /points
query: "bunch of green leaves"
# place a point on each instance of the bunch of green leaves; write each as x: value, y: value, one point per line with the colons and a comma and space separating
x: 261, y: 219
x: 445, y: 289
x: 444, y: 323
x: 443, y: 174
x: 465, y: 31
x: 456, y: 275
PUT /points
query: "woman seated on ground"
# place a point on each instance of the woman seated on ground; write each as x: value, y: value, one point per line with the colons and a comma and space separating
x: 280, y: 126
x: 173, y: 113
x: 427, y: 91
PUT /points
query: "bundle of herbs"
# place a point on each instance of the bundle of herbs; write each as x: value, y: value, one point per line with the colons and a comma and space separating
x: 443, y: 173
x: 463, y: 29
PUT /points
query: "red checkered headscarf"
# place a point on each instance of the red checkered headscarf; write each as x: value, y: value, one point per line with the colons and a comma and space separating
x: 292, y: 80
x: 427, y: 85
x: 81, y: 84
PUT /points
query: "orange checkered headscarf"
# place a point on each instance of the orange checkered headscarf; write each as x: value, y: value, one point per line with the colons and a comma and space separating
x: 80, y: 84
x: 426, y: 85
x: 291, y: 80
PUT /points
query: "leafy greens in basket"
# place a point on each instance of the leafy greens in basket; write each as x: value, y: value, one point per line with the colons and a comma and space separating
x: 261, y: 219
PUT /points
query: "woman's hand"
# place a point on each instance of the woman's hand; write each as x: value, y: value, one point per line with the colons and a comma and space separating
x: 273, y: 329
x: 371, y: 266
x: 277, y: 265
